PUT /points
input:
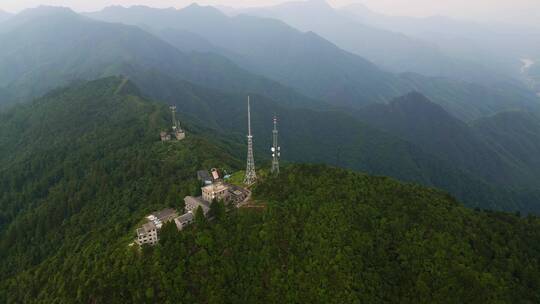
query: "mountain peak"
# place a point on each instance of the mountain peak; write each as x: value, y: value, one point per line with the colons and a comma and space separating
x: 206, y: 10
x: 45, y: 10
x: 417, y: 104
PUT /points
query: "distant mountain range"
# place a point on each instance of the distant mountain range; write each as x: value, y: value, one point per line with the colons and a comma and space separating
x: 311, y: 64
x: 203, y: 78
x: 47, y: 47
x: 83, y: 100
x: 391, y: 49
x: 476, y: 149
x: 497, y: 46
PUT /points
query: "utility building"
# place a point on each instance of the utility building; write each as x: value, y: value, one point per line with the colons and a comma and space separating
x: 148, y: 233
x: 224, y: 192
x: 193, y: 203
x: 216, y: 191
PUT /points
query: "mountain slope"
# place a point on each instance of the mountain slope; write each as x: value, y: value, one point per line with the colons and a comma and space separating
x: 515, y: 133
x: 86, y: 163
x: 391, y: 50
x: 330, y: 137
x: 368, y: 239
x: 498, y: 46
x: 73, y: 47
x: 313, y: 65
x: 416, y: 119
x: 271, y: 48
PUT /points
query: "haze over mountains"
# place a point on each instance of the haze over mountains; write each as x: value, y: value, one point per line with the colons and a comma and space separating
x: 72, y: 47
x: 388, y: 48
x: 501, y: 47
x: 83, y: 98
x: 4, y: 16
x: 202, y: 60
x: 313, y: 65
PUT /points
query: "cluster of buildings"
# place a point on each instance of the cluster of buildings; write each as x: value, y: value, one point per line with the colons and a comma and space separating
x: 214, y: 186
x: 214, y: 189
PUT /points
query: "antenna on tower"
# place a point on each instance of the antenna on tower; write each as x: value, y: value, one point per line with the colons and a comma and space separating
x: 276, y: 149
x: 177, y: 132
x: 251, y: 175
x: 174, y: 122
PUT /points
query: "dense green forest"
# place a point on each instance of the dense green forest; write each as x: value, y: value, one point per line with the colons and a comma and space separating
x: 81, y: 167
x: 326, y: 236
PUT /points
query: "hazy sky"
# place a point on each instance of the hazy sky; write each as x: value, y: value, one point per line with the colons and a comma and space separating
x: 523, y: 11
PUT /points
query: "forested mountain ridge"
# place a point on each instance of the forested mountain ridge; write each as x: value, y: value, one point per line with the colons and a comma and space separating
x: 272, y: 48
x: 86, y: 163
x: 331, y: 137
x: 392, y: 49
x: 164, y: 73
x: 415, y: 118
x: 313, y: 65
x: 516, y: 132
x: 366, y: 239
x: 73, y: 47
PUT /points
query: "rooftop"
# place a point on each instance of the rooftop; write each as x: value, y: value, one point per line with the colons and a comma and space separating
x: 146, y: 228
x: 216, y: 187
x: 164, y: 214
x: 203, y: 175
x: 197, y: 200
x: 185, y: 217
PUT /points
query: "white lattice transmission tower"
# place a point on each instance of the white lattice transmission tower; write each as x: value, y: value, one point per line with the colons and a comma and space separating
x: 276, y: 149
x: 251, y: 175
x: 174, y: 122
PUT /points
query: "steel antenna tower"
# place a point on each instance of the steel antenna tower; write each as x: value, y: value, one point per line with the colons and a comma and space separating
x: 251, y: 176
x: 276, y: 150
x: 173, y: 111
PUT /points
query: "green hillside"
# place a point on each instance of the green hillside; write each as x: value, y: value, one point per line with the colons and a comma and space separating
x: 82, y: 165
x: 415, y: 118
x: 325, y: 236
x: 340, y: 139
x: 80, y: 168
x: 516, y: 133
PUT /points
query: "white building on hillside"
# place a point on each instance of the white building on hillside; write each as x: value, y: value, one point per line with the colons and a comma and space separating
x: 148, y: 233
